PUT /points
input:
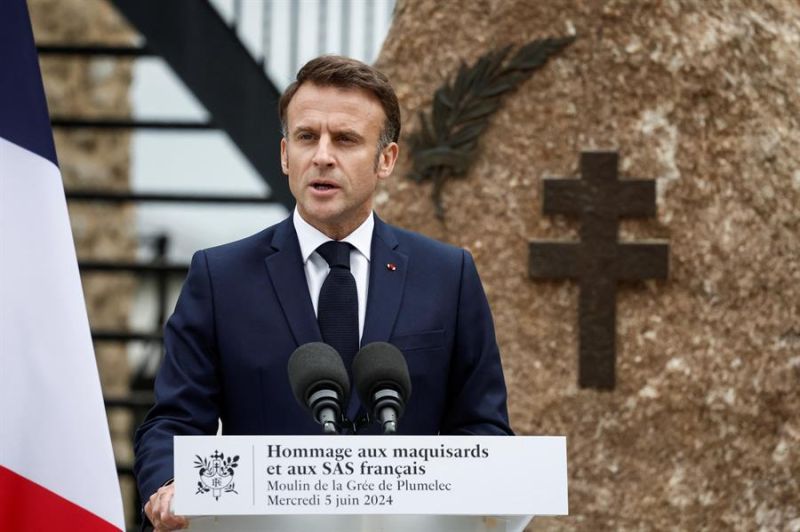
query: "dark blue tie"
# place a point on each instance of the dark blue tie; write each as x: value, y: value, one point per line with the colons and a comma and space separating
x: 337, y: 308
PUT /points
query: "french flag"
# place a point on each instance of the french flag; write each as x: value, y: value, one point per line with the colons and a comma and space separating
x: 56, y: 464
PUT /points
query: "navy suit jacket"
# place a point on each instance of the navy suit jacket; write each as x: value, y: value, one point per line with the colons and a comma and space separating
x: 245, y: 307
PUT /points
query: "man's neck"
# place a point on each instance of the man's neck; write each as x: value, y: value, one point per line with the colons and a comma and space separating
x: 334, y: 231
x: 310, y: 238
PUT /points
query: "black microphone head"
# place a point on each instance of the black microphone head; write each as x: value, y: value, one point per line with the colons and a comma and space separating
x: 316, y: 366
x: 380, y: 365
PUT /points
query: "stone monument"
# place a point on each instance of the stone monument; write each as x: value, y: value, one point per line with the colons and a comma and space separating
x: 701, y: 430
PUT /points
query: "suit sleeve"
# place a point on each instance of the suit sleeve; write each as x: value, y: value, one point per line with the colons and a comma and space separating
x: 476, y: 387
x: 187, y: 388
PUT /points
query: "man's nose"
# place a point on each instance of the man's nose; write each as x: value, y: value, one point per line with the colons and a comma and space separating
x: 323, y: 156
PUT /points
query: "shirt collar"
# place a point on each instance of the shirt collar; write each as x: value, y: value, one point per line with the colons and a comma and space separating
x: 310, y: 238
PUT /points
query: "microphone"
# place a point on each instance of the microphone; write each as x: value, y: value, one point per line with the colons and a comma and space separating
x: 320, y: 383
x: 381, y: 378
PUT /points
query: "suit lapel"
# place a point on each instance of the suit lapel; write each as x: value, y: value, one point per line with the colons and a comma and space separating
x: 387, y: 276
x: 288, y: 278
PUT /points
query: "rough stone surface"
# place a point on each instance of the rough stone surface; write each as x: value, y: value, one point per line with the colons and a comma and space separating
x: 98, y: 87
x: 703, y: 429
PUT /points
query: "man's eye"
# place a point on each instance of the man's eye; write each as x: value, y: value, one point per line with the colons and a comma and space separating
x: 305, y: 136
x: 346, y: 140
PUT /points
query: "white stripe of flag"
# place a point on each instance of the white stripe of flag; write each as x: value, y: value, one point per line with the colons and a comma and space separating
x: 56, y: 462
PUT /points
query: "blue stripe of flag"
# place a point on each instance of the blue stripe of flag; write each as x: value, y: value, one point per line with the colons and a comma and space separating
x: 24, y: 119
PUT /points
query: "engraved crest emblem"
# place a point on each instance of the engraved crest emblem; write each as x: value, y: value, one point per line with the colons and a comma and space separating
x: 216, y: 474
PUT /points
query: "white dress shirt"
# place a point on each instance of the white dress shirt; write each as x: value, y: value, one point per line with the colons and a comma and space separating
x: 317, y: 268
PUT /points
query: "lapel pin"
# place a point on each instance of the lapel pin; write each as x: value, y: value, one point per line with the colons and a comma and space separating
x: 391, y: 266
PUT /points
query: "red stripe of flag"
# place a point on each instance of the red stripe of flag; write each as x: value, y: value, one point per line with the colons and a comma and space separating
x: 29, y: 506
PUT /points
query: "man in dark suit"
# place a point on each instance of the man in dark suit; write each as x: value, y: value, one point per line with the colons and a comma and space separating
x: 246, y: 306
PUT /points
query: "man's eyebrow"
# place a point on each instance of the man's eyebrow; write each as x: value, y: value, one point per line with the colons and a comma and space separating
x: 348, y: 132
x: 302, y: 129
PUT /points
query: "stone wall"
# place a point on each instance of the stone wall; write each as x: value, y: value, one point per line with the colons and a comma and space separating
x: 92, y: 159
x: 703, y: 429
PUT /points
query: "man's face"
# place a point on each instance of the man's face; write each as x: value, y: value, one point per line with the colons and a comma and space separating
x: 331, y: 156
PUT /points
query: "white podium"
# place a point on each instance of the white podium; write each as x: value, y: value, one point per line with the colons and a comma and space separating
x: 363, y: 523
x: 369, y: 483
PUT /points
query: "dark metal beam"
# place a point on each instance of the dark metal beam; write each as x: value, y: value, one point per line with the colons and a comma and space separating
x: 94, y: 50
x: 94, y: 266
x: 125, y: 336
x: 125, y: 471
x: 126, y: 123
x: 143, y: 400
x: 214, y: 64
x: 128, y: 197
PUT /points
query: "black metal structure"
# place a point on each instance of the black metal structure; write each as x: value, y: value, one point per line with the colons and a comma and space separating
x: 214, y: 64
x: 122, y: 123
x: 209, y: 58
x: 94, y: 50
x: 124, y: 197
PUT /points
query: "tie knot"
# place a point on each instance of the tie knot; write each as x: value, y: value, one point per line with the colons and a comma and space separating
x: 336, y: 253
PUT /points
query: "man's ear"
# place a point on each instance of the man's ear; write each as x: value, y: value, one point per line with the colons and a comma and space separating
x: 387, y: 160
x: 284, y: 157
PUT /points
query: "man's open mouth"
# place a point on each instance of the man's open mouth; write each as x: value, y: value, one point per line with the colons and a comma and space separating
x: 322, y: 186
